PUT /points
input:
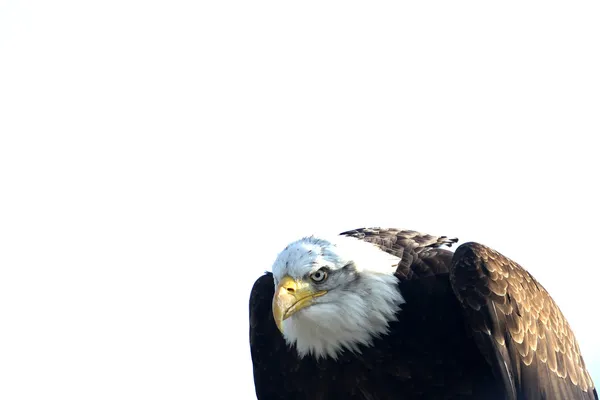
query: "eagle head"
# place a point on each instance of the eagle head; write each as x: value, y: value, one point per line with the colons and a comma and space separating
x: 332, y: 295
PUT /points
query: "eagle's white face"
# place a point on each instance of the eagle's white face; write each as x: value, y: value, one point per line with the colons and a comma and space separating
x: 332, y: 295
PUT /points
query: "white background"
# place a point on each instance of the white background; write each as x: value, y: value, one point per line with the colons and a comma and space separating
x: 155, y: 157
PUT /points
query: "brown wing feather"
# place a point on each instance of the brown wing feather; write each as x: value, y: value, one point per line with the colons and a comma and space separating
x: 419, y: 253
x: 519, y: 327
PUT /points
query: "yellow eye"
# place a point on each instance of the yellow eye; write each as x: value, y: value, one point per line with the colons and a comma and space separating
x: 319, y: 276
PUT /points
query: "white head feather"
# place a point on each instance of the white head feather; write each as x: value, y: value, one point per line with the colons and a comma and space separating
x: 361, y: 301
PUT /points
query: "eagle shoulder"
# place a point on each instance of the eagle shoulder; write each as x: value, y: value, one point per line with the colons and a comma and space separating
x: 421, y: 255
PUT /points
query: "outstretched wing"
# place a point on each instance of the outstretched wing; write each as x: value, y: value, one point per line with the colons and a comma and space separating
x: 518, y: 327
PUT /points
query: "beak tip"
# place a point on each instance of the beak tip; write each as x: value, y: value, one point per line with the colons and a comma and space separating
x: 280, y: 326
x: 278, y: 316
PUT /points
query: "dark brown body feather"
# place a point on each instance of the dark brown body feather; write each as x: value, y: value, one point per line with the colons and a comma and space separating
x: 475, y: 326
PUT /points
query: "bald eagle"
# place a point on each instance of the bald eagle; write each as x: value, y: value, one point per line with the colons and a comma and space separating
x: 390, y: 314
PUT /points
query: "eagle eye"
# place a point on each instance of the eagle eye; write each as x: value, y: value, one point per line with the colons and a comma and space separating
x: 319, y: 275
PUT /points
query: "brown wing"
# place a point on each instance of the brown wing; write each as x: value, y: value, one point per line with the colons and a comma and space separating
x: 420, y: 254
x: 518, y: 327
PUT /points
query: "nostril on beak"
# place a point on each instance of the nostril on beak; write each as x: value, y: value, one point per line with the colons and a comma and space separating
x: 290, y: 290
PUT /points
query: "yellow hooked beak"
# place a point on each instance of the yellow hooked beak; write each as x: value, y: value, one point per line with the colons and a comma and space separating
x: 290, y: 297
